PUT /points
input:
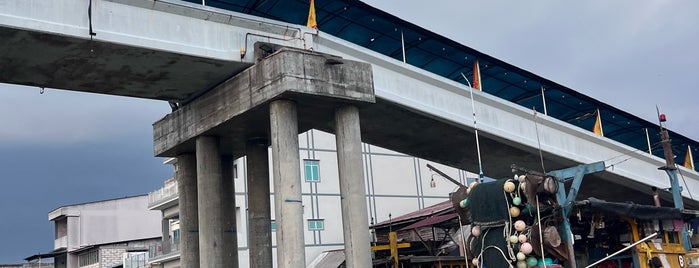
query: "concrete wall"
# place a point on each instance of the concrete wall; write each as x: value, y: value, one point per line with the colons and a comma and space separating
x: 109, y: 221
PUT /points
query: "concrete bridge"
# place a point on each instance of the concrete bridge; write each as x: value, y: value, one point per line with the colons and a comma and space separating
x: 235, y: 89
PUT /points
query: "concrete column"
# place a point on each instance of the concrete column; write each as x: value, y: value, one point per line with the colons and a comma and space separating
x: 259, y: 218
x: 228, y: 209
x: 352, y: 191
x: 214, y: 232
x: 186, y: 175
x: 165, y: 230
x: 287, y: 184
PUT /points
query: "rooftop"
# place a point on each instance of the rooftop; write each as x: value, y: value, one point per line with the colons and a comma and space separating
x: 374, y: 29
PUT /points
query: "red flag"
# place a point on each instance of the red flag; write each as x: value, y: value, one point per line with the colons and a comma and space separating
x: 312, y: 16
x: 476, y: 75
x: 597, y: 129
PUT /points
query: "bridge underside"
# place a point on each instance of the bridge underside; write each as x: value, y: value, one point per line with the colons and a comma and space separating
x: 65, y: 62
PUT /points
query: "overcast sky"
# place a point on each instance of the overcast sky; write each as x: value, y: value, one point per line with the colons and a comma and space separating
x: 61, y: 147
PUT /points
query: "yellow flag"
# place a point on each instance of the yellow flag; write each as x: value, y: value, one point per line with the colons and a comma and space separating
x: 688, y: 159
x: 597, y: 129
x: 312, y: 16
x: 476, y: 75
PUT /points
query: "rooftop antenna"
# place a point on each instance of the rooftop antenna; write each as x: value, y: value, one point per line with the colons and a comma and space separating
x: 475, y: 128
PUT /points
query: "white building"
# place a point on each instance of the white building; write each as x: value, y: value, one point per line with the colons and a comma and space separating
x: 103, y: 234
x: 396, y: 184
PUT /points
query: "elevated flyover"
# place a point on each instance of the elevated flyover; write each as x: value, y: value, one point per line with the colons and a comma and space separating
x: 176, y: 51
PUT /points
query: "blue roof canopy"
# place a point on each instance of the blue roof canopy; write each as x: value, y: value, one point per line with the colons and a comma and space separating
x: 361, y: 24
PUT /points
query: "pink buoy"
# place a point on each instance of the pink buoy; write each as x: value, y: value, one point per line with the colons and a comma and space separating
x: 525, y: 248
x: 522, y: 178
x: 476, y: 231
x: 522, y: 238
x: 520, y: 225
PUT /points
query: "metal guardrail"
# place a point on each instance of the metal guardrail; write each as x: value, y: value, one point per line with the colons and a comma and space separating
x: 136, y: 261
x: 162, y: 249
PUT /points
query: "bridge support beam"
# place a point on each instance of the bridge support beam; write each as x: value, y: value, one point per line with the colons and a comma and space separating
x: 189, y: 222
x: 288, y: 205
x: 295, y: 91
x: 259, y: 212
x: 352, y: 191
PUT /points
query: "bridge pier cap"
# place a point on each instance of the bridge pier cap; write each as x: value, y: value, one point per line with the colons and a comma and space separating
x: 237, y: 109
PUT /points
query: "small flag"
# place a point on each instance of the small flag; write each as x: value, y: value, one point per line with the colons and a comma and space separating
x: 476, y: 75
x: 597, y: 129
x: 688, y: 159
x: 312, y: 16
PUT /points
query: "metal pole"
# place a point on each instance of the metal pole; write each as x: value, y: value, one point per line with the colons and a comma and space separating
x: 475, y: 128
x: 402, y: 44
x: 543, y: 100
x: 650, y: 150
x: 623, y: 249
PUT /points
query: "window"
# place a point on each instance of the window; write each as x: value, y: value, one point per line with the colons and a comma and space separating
x: 316, y: 225
x: 274, y: 225
x: 89, y: 257
x: 312, y: 170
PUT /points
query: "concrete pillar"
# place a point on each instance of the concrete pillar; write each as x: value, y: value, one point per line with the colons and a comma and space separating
x: 228, y: 209
x: 352, y: 191
x: 165, y: 230
x: 186, y: 175
x: 259, y: 218
x: 287, y: 184
x: 214, y: 231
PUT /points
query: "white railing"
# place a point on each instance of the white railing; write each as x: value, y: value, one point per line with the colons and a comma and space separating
x: 166, y: 193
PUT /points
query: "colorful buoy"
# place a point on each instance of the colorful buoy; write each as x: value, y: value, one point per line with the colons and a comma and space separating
x: 521, y: 256
x: 517, y: 201
x: 476, y: 231
x: 509, y: 187
x: 522, y: 178
x: 513, y: 239
x: 521, y: 264
x: 514, y: 212
x: 463, y: 203
x: 531, y: 261
x: 522, y: 238
x: 525, y: 248
x: 520, y: 225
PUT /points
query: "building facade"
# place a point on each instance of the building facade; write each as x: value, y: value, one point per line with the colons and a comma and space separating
x: 395, y: 184
x: 103, y: 234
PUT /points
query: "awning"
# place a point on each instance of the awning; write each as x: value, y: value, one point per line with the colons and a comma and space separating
x: 51, y: 254
x: 430, y: 221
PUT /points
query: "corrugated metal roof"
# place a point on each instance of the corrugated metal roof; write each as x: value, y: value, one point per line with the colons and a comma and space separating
x: 430, y: 221
x: 436, y: 209
x: 328, y: 259
x: 361, y: 24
